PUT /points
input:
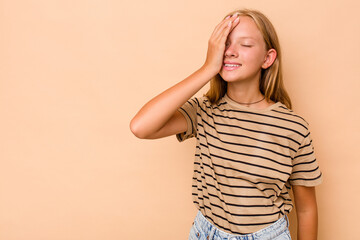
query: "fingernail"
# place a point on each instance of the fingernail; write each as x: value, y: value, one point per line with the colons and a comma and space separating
x: 235, y: 14
x: 227, y: 17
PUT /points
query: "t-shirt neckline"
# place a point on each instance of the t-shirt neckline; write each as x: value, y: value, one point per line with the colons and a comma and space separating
x: 243, y: 107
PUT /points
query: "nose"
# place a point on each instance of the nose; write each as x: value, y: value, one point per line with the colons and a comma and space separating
x: 230, y: 51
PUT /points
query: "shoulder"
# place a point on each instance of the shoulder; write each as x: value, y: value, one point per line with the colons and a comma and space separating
x: 292, y: 116
x: 201, y: 101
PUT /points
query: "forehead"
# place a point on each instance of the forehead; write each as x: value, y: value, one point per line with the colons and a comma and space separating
x: 245, y: 29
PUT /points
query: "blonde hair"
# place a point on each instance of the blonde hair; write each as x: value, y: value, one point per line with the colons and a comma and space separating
x: 271, y: 80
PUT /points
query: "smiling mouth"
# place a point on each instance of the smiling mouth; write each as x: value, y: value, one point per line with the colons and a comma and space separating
x: 230, y: 67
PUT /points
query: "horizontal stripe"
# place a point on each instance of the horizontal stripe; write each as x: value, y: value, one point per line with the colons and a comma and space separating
x: 244, y: 145
x: 264, y: 115
x: 245, y: 215
x: 228, y: 185
x: 220, y: 226
x: 259, y: 123
x: 260, y: 114
x: 229, y: 126
x: 244, y: 154
x: 233, y: 195
x: 234, y: 204
x: 312, y: 170
x: 306, y: 179
x: 233, y: 177
x: 304, y: 163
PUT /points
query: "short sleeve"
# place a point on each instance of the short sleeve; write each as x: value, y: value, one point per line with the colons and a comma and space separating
x: 306, y: 171
x: 189, y: 110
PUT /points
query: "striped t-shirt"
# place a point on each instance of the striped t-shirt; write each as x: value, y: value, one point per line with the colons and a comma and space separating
x: 246, y: 160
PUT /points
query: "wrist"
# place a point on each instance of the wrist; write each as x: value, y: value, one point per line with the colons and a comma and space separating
x: 210, y: 71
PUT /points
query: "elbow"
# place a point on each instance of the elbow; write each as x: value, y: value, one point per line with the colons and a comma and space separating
x: 135, y: 130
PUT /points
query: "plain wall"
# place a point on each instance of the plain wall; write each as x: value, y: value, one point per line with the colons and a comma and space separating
x: 74, y: 73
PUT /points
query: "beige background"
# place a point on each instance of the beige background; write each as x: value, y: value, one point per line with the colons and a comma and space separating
x: 74, y: 73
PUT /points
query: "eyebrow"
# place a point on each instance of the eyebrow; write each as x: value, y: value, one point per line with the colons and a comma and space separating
x: 247, y: 37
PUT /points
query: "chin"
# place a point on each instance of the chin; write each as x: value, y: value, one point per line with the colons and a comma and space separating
x: 230, y: 78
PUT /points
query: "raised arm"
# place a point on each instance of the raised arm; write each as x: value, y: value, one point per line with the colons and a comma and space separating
x: 159, y: 117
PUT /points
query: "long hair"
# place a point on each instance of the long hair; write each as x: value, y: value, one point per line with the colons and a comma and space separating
x: 271, y: 80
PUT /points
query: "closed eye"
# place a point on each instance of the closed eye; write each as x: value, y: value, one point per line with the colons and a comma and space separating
x: 227, y: 44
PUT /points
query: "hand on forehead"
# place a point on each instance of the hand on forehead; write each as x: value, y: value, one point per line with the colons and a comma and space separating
x: 245, y: 28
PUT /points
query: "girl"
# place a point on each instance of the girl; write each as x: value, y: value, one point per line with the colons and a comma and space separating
x: 251, y: 147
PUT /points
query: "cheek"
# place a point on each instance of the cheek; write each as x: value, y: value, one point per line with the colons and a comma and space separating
x: 254, y: 56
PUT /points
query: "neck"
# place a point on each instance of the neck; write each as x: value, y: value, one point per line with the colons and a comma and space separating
x: 244, y: 92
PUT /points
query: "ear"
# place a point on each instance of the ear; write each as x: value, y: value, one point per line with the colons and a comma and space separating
x: 269, y: 58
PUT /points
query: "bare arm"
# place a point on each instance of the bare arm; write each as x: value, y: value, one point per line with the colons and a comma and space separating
x: 159, y: 117
x: 306, y: 211
x: 154, y: 114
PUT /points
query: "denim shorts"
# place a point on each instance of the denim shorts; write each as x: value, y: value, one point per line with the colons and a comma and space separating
x: 202, y: 229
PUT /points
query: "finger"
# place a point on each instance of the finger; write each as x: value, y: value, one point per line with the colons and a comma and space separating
x: 222, y: 36
x: 222, y: 22
x: 226, y: 30
x: 219, y: 28
x: 225, y: 33
x: 235, y: 23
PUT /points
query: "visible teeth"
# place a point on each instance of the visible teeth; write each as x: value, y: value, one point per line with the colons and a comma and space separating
x: 232, y: 65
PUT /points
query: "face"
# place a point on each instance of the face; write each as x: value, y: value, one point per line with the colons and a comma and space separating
x: 245, y: 46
